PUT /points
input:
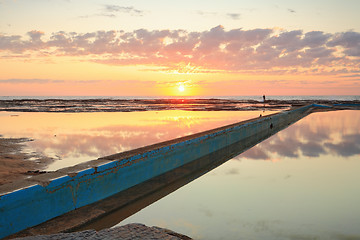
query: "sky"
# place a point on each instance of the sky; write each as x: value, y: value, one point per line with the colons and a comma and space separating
x: 179, y: 48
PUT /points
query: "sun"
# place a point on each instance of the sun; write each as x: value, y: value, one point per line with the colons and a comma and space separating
x: 181, y: 88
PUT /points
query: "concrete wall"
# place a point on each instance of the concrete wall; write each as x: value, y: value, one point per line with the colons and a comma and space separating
x: 38, y: 199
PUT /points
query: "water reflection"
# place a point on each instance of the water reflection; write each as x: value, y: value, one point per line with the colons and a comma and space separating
x: 77, y: 137
x: 315, y: 135
x: 306, y: 190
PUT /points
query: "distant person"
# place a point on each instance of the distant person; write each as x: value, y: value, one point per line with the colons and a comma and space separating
x: 263, y: 98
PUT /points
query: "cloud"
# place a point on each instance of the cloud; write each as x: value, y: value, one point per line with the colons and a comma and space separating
x: 202, y: 13
x: 345, y: 149
x: 284, y: 147
x: 112, y: 11
x: 312, y: 149
x: 256, y: 153
x: 312, y: 137
x: 350, y: 76
x: 31, y: 81
x: 348, y: 40
x: 97, y: 141
x: 316, y: 38
x: 45, y: 81
x: 234, y: 16
x: 349, y: 145
x: 216, y: 49
x: 291, y: 10
x: 122, y: 9
x: 233, y: 171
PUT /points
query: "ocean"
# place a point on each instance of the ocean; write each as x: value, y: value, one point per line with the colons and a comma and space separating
x: 241, y: 98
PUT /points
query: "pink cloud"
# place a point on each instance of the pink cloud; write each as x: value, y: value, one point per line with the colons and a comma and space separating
x: 216, y: 49
x: 348, y: 40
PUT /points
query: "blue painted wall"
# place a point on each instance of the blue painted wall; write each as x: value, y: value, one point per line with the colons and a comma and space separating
x: 55, y: 194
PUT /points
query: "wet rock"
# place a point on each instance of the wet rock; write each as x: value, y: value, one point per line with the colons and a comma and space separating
x: 126, y: 232
x: 35, y: 172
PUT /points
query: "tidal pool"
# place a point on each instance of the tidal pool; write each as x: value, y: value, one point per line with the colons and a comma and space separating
x: 72, y: 138
x: 301, y: 183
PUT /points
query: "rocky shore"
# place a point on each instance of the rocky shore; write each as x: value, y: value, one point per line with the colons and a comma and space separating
x: 127, y: 232
x: 133, y: 105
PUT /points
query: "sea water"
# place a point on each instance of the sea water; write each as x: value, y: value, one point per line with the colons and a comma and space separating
x: 73, y: 138
x: 301, y: 183
x: 256, y: 98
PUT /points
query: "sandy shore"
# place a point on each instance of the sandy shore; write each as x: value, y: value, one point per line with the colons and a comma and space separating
x: 15, y: 163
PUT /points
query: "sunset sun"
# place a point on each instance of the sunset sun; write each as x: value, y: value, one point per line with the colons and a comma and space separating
x: 181, y: 88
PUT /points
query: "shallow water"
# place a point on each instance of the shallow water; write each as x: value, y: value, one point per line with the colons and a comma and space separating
x: 301, y: 183
x: 72, y: 138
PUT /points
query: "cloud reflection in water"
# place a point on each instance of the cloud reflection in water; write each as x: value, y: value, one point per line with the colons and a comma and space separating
x: 80, y: 137
x: 77, y: 137
x: 317, y: 134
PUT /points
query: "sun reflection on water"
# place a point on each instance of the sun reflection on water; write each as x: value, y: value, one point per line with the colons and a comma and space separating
x: 72, y: 138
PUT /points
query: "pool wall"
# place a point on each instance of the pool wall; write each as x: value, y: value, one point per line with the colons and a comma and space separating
x: 35, y: 200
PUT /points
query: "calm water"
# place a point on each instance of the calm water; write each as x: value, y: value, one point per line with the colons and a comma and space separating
x: 302, y: 183
x: 72, y: 138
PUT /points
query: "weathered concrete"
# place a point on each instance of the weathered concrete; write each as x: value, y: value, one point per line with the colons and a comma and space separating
x: 40, y: 198
x: 112, y: 210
